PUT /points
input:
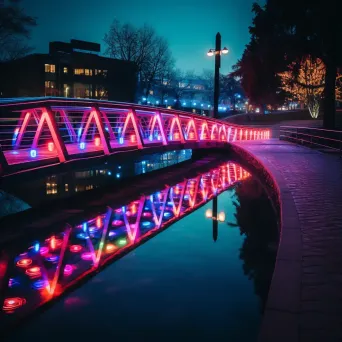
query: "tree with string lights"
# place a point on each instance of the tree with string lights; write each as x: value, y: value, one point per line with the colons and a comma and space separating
x: 305, y: 82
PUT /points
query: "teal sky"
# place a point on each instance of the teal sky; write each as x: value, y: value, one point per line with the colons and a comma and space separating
x: 190, y: 26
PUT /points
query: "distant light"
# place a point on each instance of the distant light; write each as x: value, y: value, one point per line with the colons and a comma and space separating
x: 225, y: 51
x: 144, y: 98
x: 33, y: 153
x: 150, y: 138
x: 109, y: 173
x: 209, y: 213
x: 201, y: 104
x: 208, y: 106
x: 157, y: 102
x: 119, y: 167
x: 85, y: 226
x: 148, y: 102
x: 184, y: 103
x: 194, y: 103
x: 221, y: 216
x: 174, y: 100
x: 165, y: 101
x: 82, y: 145
x: 106, y: 128
x: 118, y: 175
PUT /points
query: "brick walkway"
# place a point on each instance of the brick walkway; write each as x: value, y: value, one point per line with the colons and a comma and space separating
x: 305, y: 298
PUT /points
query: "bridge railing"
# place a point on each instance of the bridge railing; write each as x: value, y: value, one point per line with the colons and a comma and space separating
x: 52, y: 130
x: 314, y: 137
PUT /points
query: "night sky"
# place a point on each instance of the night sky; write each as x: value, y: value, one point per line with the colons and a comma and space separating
x: 190, y: 26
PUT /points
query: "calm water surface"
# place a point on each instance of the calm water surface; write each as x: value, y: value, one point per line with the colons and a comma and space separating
x: 181, y: 284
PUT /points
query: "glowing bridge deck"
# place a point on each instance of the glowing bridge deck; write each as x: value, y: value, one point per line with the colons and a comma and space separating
x: 48, y: 131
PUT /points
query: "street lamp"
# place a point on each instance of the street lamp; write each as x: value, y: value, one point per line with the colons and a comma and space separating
x: 216, y: 217
x: 217, y: 51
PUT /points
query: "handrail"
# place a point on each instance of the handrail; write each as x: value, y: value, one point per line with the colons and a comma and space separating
x: 43, y: 131
x: 302, y: 135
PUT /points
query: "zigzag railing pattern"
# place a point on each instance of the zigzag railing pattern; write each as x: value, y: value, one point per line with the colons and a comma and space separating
x: 42, y: 270
x: 49, y: 131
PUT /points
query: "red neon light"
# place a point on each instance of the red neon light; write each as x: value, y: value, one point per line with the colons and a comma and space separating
x: 51, y: 146
x: 24, y: 262
x: 11, y: 304
x: 133, y: 138
x: 97, y: 141
x: 34, y: 272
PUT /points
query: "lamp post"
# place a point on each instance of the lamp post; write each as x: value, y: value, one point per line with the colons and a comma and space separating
x: 216, y: 217
x: 217, y: 51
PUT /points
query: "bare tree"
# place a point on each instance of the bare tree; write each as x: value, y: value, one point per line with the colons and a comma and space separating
x: 143, y: 46
x: 182, y: 84
x: 15, y: 28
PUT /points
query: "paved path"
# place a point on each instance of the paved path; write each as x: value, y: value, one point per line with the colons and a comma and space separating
x: 305, y: 298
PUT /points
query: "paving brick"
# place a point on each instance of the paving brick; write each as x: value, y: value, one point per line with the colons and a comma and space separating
x: 310, y: 184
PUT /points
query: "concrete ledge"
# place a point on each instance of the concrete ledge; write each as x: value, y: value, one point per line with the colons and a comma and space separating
x: 281, y: 316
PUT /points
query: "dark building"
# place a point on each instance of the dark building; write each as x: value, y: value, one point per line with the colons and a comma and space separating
x: 72, y: 69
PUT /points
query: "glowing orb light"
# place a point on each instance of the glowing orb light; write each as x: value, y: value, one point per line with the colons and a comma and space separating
x: 122, y: 242
x: 110, y: 248
x: 52, y: 258
x: 82, y: 145
x: 51, y: 146
x: 133, y: 138
x: 117, y: 223
x: 98, y: 222
x: 97, y: 141
x: 11, y: 304
x: 87, y: 256
x: 33, y: 272
x: 147, y: 214
x: 67, y: 270
x: 75, y: 248
x: 24, y: 262
x: 40, y: 284
x: 111, y: 233
x: 55, y: 243
x: 33, y: 153
x: 44, y: 250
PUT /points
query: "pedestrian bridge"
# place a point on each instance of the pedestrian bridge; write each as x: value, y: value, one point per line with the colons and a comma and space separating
x: 42, y: 132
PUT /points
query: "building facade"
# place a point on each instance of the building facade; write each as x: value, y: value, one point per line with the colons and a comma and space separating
x: 72, y: 69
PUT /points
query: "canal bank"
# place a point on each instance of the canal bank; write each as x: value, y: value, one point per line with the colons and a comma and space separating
x: 304, y: 301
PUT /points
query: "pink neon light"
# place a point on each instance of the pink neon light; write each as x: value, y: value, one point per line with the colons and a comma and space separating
x: 97, y: 141
x: 51, y: 146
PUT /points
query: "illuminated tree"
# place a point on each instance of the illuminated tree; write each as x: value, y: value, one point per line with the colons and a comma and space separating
x: 305, y: 82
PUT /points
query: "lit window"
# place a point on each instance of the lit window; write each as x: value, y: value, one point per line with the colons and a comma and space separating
x: 151, y: 92
x: 66, y: 187
x: 65, y: 70
x: 105, y: 72
x: 79, y: 71
x: 88, y: 72
x: 50, y: 68
x: 50, y: 84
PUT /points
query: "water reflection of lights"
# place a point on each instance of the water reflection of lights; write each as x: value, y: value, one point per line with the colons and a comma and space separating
x: 44, y: 250
x: 117, y: 223
x: 67, y: 270
x: 40, y: 284
x: 110, y: 248
x: 107, y: 235
x: 33, y: 272
x: 52, y: 258
x: 24, y: 262
x: 87, y: 256
x: 11, y: 304
x: 75, y: 248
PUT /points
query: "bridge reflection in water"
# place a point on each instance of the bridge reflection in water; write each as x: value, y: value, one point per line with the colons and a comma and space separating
x: 33, y: 276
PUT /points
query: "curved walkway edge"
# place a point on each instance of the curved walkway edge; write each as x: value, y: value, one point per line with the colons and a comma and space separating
x: 305, y: 297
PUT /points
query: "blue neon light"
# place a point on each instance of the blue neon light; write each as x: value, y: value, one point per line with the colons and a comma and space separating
x: 118, y: 175
x: 109, y: 173
x: 36, y: 247
x: 33, y: 153
x: 82, y: 145
x: 146, y: 224
x: 84, y: 226
x: 121, y: 140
